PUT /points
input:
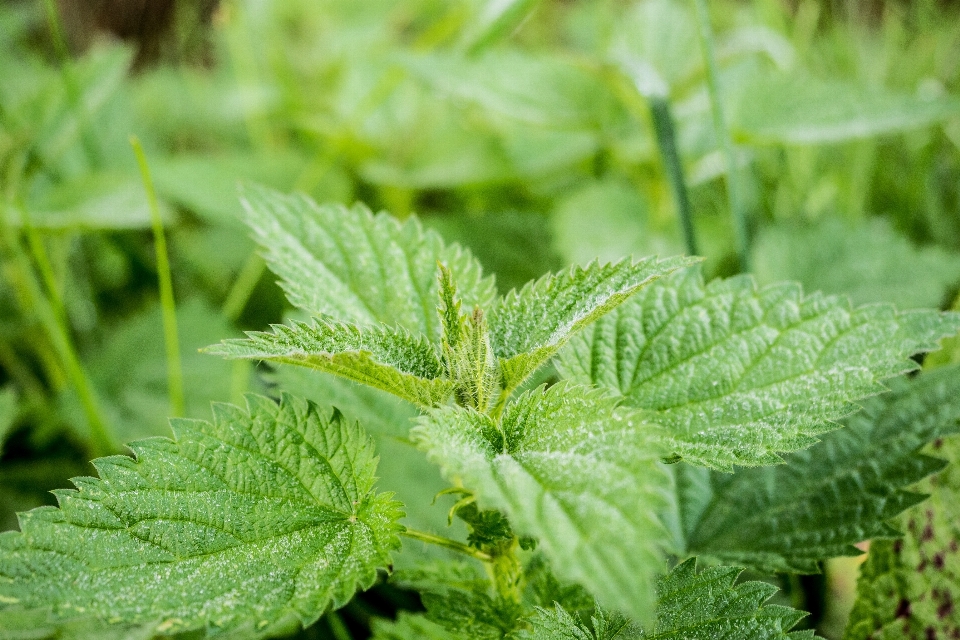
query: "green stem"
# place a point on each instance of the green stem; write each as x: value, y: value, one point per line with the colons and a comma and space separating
x: 667, y: 142
x: 167, y: 303
x: 446, y: 543
x: 734, y: 196
x: 54, y: 325
x: 337, y: 627
x: 243, y: 287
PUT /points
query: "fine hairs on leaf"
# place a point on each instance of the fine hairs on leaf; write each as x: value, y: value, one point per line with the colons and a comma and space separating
x: 737, y: 375
x: 827, y: 498
x: 256, y: 521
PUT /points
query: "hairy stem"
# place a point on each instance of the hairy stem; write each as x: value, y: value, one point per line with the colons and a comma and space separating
x: 734, y: 195
x: 446, y: 543
x: 167, y: 303
x: 667, y: 142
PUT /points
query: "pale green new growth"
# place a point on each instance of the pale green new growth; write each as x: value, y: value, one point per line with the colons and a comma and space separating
x: 690, y: 605
x: 251, y: 524
x: 737, y: 374
x: 528, y: 327
x: 379, y: 356
x: 356, y: 267
x: 828, y: 498
x: 559, y: 462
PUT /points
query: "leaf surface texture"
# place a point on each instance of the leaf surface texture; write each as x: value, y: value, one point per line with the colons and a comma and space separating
x: 255, y: 522
x: 738, y: 374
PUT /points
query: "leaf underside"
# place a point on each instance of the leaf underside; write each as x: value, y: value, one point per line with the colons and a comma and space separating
x: 379, y: 356
x: 357, y: 267
x: 737, y: 374
x: 835, y: 494
x: 561, y: 461
x: 253, y: 523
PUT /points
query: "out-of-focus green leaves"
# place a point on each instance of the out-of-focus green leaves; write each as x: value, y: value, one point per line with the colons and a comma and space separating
x: 870, y: 262
x: 795, y: 109
x: 129, y: 370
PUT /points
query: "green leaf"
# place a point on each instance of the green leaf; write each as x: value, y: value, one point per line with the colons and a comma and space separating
x: 560, y: 625
x: 690, y: 605
x: 261, y: 519
x: 559, y: 462
x: 379, y: 356
x: 459, y: 598
x: 409, y: 626
x: 736, y: 374
x: 837, y: 493
x: 870, y: 262
x: 909, y: 589
x: 796, y: 109
x: 529, y: 326
x: 357, y: 267
x: 711, y: 604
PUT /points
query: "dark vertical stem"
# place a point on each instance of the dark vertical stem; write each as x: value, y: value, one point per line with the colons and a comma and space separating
x: 667, y: 142
x: 724, y: 139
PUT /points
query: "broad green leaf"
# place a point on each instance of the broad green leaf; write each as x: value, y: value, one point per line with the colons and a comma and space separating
x: 403, y: 467
x: 459, y: 598
x: 737, y: 374
x: 356, y: 267
x: 257, y: 521
x: 495, y: 21
x: 909, y: 589
x: 610, y: 220
x: 538, y: 90
x: 379, y: 356
x: 694, y: 606
x: 207, y: 184
x: 797, y: 109
x: 560, y: 625
x: 410, y: 626
x: 529, y: 326
x: 837, y: 493
x: 559, y: 462
x: 870, y: 262
x: 92, y: 202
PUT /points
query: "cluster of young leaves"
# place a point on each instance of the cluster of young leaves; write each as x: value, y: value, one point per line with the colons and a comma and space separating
x: 262, y: 519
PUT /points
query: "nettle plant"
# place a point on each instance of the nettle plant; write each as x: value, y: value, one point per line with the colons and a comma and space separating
x: 685, y: 423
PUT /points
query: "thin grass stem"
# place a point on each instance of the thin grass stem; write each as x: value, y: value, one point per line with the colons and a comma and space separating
x: 167, y: 303
x: 243, y: 286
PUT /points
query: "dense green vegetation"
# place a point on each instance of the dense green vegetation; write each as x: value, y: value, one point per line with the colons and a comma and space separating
x: 811, y: 142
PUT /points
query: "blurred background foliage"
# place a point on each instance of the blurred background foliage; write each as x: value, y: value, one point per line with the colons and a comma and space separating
x: 531, y: 132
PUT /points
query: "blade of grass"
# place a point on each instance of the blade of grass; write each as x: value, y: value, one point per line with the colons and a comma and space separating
x: 243, y: 286
x: 167, y: 303
x: 33, y: 299
x: 725, y: 140
x: 49, y: 310
x: 337, y: 627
